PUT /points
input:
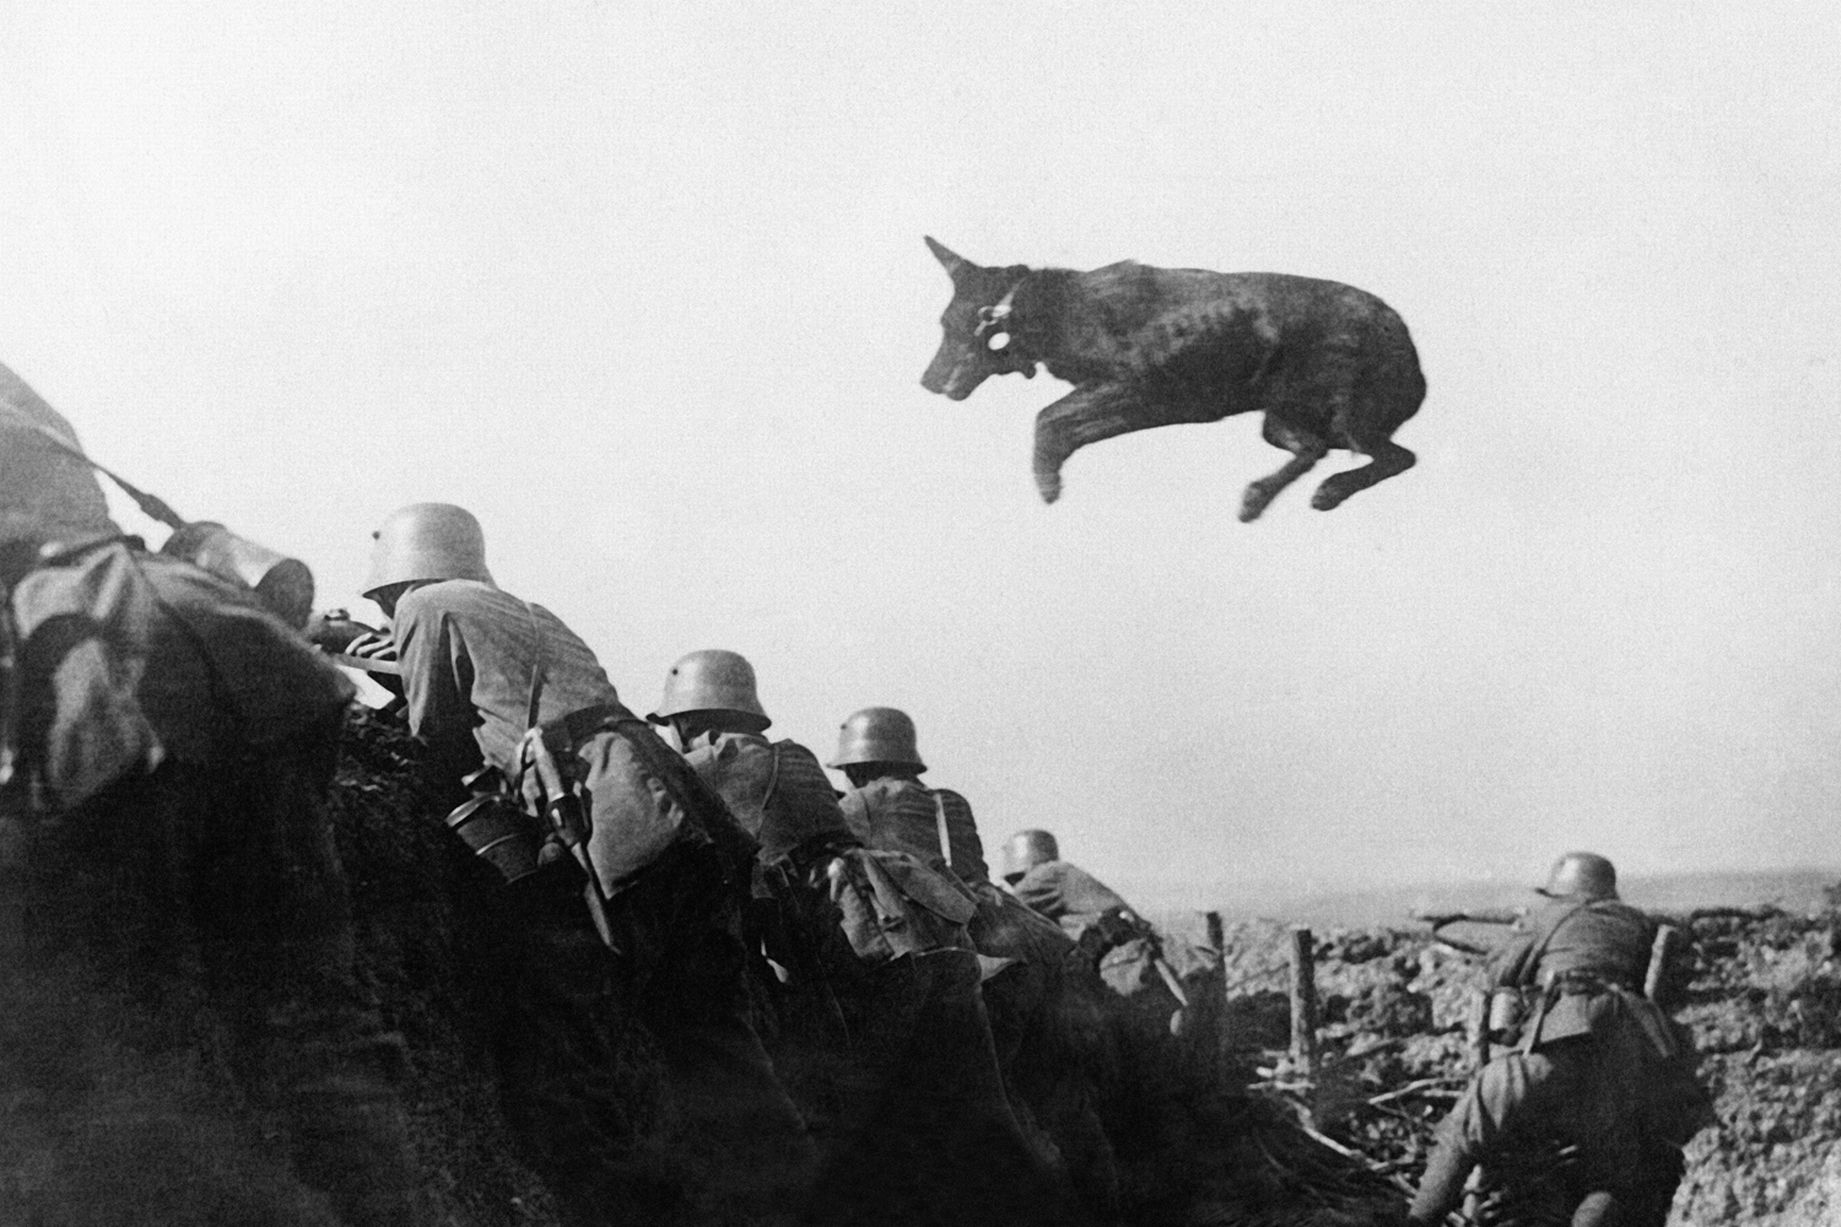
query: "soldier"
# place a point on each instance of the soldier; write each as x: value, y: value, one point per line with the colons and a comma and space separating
x: 1114, y: 943
x: 1599, y: 1067
x: 1042, y: 1030
x: 1583, y: 934
x: 1040, y: 878
x: 508, y: 698
x: 185, y: 1037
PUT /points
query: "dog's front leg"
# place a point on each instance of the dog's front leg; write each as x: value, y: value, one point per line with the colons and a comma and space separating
x: 1087, y: 415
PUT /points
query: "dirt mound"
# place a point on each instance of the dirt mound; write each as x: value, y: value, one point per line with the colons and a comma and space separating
x: 1216, y: 1129
x: 424, y: 943
x: 1193, y: 1148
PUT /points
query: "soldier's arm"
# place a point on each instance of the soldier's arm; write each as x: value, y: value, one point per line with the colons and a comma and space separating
x: 1040, y: 889
x: 856, y: 815
x: 437, y: 684
x: 1511, y: 966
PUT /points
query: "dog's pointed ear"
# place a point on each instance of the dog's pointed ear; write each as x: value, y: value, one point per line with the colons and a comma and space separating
x: 955, y: 263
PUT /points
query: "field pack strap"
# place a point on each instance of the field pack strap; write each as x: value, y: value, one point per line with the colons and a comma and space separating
x: 1531, y: 1033
x: 540, y: 649
x: 1539, y: 949
x: 9, y: 688
x: 939, y: 812
x: 773, y: 779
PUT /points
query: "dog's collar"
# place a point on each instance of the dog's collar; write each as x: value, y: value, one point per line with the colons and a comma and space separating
x: 997, y: 318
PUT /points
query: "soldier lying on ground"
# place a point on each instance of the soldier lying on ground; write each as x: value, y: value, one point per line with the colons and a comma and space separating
x: 878, y: 1019
x: 1047, y: 1036
x: 511, y: 700
x: 184, y: 1039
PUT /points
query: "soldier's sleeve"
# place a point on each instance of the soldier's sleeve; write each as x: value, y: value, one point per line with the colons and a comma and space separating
x: 437, y: 685
x: 1510, y: 966
x: 856, y: 815
x: 1040, y: 889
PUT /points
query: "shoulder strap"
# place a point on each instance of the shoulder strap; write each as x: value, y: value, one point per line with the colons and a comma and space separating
x: 939, y: 812
x: 1539, y: 948
x: 773, y: 776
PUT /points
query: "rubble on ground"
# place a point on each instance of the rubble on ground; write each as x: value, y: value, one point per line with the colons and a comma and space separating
x: 1223, y: 1131
x: 1759, y: 989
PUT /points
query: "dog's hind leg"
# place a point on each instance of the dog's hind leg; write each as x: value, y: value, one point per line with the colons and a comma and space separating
x: 1306, y: 448
x: 1087, y: 415
x: 1386, y: 458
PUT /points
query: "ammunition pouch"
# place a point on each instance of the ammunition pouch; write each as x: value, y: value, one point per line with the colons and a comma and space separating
x: 890, y: 905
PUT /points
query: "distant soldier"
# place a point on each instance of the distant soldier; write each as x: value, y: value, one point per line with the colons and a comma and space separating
x: 1583, y: 935
x: 1114, y: 942
x: 1600, y: 1069
x: 1032, y: 1013
x: 184, y: 1038
x: 510, y: 700
x: 1040, y: 878
x: 902, y: 1075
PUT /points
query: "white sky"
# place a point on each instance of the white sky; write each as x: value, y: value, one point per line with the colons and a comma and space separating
x: 643, y: 285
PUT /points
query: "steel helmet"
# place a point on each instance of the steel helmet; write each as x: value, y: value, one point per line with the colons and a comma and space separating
x: 1026, y: 850
x: 1581, y: 875
x: 426, y: 541
x: 710, y: 680
x: 877, y: 735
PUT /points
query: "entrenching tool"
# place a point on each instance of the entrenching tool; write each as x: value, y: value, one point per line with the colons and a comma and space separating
x: 568, y: 822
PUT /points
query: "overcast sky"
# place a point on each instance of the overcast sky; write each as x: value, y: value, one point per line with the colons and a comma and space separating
x: 643, y: 286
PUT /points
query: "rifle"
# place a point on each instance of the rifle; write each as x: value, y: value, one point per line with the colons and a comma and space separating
x: 1491, y: 916
x: 335, y: 631
x: 1438, y: 920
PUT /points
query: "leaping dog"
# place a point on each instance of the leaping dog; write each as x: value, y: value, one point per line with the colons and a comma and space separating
x: 1328, y: 364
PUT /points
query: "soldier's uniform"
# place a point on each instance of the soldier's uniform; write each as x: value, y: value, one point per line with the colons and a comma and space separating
x: 1113, y: 944
x: 1599, y: 1068
x: 1602, y: 938
x: 1060, y: 890
x: 882, y: 1024
x: 1044, y: 1033
x: 1567, y: 1134
x: 481, y: 668
x: 183, y: 1038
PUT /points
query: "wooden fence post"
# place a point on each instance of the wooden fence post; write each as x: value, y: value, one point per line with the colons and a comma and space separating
x: 1217, y: 938
x: 1303, y: 1001
x: 1655, y: 982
